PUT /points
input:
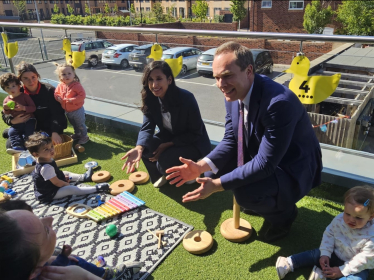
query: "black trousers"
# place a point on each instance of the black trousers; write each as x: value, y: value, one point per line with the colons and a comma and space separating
x: 263, y: 197
x: 168, y: 158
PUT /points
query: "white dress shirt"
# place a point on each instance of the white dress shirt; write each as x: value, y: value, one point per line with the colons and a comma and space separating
x: 246, y: 100
x: 166, y: 119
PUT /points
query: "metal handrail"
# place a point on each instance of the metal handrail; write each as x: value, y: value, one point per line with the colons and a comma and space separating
x: 209, y: 33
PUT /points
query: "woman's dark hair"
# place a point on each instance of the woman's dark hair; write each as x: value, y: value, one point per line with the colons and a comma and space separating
x: 24, y: 67
x: 146, y: 93
x: 18, y: 257
x: 15, y: 205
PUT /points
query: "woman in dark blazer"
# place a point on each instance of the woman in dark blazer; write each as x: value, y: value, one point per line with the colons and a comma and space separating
x: 176, y: 113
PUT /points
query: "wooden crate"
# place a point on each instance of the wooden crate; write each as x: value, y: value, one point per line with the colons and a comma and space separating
x: 60, y: 162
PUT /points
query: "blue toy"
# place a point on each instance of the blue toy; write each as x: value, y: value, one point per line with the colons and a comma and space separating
x: 99, y: 201
x: 10, y: 192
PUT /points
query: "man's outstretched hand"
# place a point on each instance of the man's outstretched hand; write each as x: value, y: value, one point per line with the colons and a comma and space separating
x: 181, y: 174
x: 208, y: 186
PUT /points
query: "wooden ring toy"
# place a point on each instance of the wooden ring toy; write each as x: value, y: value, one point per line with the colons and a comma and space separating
x: 79, y: 210
x: 121, y: 186
x: 198, y: 242
x: 139, y: 177
x: 101, y: 176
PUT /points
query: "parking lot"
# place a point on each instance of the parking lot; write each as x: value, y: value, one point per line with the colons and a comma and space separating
x: 125, y: 85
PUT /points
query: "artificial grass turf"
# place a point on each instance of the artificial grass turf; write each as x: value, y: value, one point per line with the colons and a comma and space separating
x: 252, y: 259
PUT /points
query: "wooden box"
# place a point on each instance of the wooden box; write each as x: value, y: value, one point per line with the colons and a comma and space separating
x: 60, y: 162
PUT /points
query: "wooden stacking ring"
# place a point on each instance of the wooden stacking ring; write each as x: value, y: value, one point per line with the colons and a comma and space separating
x: 198, y: 242
x: 139, y: 177
x: 101, y: 176
x: 121, y: 186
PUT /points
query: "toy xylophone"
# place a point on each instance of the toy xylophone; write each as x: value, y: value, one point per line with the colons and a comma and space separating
x: 123, y: 202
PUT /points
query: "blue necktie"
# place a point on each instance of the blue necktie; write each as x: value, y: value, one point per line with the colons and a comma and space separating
x: 240, y: 135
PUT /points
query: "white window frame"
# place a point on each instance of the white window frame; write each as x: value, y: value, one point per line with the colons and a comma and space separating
x: 267, y: 2
x: 295, y: 1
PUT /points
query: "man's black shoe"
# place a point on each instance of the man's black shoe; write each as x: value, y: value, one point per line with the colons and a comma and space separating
x: 250, y: 212
x: 5, y: 133
x: 88, y: 175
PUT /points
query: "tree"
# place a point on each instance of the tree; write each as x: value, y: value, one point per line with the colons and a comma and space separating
x: 200, y: 9
x: 115, y: 8
x: 316, y: 17
x: 56, y: 10
x: 106, y: 9
x: 70, y: 9
x: 132, y: 9
x: 21, y: 7
x: 238, y: 10
x: 158, y: 11
x: 87, y: 9
x: 357, y: 17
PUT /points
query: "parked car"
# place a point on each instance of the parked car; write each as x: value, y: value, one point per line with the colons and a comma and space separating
x: 205, y: 61
x: 262, y: 59
x: 190, y: 56
x: 94, y: 49
x: 138, y: 57
x: 118, y: 55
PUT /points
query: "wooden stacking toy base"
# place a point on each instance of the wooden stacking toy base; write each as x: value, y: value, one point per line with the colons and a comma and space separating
x: 139, y: 177
x: 233, y: 234
x: 198, y: 242
x: 121, y: 186
x: 101, y: 176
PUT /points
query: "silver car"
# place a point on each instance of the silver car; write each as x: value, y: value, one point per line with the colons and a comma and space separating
x: 94, y: 49
x: 190, y: 56
x: 205, y: 61
x: 117, y: 55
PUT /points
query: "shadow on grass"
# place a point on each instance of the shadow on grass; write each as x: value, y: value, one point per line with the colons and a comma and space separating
x: 309, y: 224
x: 211, y: 207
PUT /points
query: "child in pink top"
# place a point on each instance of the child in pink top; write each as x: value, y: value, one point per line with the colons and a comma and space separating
x: 71, y: 95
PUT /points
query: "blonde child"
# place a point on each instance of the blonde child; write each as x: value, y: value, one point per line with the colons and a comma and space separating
x: 71, y: 95
x: 347, y: 248
x: 23, y: 106
x: 49, y: 181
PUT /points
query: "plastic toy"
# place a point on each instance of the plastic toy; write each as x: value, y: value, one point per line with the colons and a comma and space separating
x: 5, y: 177
x: 99, y: 262
x: 10, y: 192
x: 25, y: 158
x: 123, y: 202
x: 99, y: 201
x: 2, y: 190
x: 139, y: 177
x: 111, y: 230
x: 11, y: 104
x: 4, y: 197
x: 5, y: 184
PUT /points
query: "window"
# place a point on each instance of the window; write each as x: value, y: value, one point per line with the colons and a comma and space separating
x: 146, y: 1
x: 98, y: 45
x: 29, y: 2
x: 296, y: 5
x: 174, y: 12
x: 216, y: 11
x: 181, y: 12
x: 88, y: 46
x: 147, y: 9
x: 137, y: 9
x: 7, y: 2
x: 8, y: 13
x: 107, y: 44
x: 265, y: 4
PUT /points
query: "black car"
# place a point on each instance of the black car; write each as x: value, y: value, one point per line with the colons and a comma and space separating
x: 138, y: 57
x: 263, y: 61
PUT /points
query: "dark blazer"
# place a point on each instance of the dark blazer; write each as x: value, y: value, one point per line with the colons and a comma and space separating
x: 188, y: 127
x: 280, y: 140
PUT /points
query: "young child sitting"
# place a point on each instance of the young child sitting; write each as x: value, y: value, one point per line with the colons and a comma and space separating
x: 71, y: 95
x: 49, y: 181
x: 23, y: 106
x: 29, y: 242
x: 347, y: 247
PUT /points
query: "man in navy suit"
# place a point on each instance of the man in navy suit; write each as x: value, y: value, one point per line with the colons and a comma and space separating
x: 282, y: 156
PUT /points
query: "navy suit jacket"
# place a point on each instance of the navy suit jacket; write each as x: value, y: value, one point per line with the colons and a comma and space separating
x: 188, y: 127
x: 280, y: 140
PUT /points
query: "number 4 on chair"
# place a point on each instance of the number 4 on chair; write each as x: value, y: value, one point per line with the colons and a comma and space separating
x: 304, y: 86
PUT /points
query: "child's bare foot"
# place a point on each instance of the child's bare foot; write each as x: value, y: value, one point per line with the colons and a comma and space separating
x: 66, y: 250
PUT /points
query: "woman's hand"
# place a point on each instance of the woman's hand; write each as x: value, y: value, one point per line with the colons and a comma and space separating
x: 133, y: 157
x: 20, y: 108
x: 56, y: 139
x: 20, y: 119
x: 159, y: 150
x: 72, y: 272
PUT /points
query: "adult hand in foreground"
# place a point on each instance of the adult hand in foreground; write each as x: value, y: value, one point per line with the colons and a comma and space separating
x: 56, y: 139
x: 20, y: 119
x: 162, y: 147
x: 72, y: 272
x: 181, y: 174
x: 133, y: 157
x: 208, y: 187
